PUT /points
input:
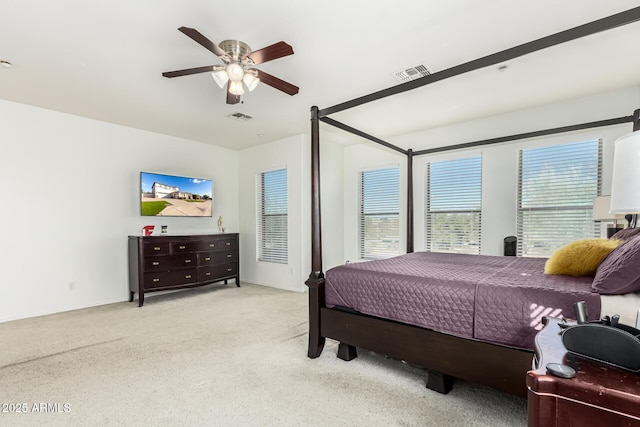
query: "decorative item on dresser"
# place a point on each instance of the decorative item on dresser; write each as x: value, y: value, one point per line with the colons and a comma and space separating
x: 159, y: 263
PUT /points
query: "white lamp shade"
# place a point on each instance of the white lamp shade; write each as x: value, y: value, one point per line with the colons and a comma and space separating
x: 235, y: 72
x: 625, y: 194
x: 250, y: 80
x: 236, y: 88
x: 220, y: 77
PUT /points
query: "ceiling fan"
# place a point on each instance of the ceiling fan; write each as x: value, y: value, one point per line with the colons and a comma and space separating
x: 239, y: 60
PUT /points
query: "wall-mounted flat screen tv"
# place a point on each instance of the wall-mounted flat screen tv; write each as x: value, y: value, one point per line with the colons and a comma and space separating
x: 169, y: 195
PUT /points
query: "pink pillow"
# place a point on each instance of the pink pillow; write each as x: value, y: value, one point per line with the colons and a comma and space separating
x: 619, y: 273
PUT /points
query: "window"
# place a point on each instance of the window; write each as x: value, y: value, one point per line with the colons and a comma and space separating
x: 556, y: 188
x: 453, y: 204
x: 379, y: 213
x: 272, y: 202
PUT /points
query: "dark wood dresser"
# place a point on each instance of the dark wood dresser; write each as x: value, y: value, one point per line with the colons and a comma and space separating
x: 159, y: 263
x: 599, y: 394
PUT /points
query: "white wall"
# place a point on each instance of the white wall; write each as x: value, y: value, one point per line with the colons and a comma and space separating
x: 332, y: 159
x: 500, y: 161
x: 292, y: 153
x: 71, y: 194
x: 295, y: 154
x: 71, y: 198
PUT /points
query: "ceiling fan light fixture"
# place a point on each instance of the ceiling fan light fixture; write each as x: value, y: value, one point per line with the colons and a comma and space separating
x: 236, y: 88
x: 236, y: 75
x: 220, y: 77
x: 235, y: 72
x: 251, y: 80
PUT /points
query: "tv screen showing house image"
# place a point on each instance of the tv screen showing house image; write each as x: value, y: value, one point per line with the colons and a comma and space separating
x: 168, y: 195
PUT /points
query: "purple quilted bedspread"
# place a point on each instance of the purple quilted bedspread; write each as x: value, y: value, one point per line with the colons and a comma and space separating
x: 490, y: 298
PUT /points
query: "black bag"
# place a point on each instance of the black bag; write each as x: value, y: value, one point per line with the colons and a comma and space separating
x: 617, y: 345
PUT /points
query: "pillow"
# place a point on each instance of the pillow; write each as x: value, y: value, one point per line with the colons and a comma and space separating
x: 619, y: 273
x: 580, y: 258
x: 625, y: 234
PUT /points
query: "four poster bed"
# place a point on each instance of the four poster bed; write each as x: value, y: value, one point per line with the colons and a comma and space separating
x: 459, y: 316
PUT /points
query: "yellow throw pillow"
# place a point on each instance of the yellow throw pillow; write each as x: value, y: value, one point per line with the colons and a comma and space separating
x: 580, y: 258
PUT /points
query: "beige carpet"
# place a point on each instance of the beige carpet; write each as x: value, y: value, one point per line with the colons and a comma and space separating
x: 216, y: 356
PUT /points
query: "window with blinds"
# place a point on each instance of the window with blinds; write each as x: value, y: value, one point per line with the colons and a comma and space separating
x: 272, y: 203
x: 556, y: 188
x: 453, y: 204
x: 379, y: 213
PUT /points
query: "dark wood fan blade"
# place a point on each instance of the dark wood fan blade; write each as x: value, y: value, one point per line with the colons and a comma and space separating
x: 276, y: 83
x: 188, y: 71
x: 231, y: 98
x: 269, y: 53
x: 196, y: 36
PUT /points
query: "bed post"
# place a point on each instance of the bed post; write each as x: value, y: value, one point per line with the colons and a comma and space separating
x: 409, y: 200
x: 316, y: 278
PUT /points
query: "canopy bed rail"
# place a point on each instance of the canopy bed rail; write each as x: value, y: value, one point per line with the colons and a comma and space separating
x: 498, y: 366
x: 623, y: 18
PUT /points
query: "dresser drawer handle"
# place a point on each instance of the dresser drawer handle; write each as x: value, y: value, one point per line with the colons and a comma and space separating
x: 156, y: 280
x: 207, y: 273
x: 188, y: 276
x: 156, y: 248
x: 181, y: 247
x: 187, y: 261
x: 207, y: 259
x: 228, y: 243
x: 212, y: 245
x: 155, y: 263
x: 229, y: 269
x: 229, y: 256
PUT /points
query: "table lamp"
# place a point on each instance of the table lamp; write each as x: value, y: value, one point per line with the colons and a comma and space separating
x: 625, y: 196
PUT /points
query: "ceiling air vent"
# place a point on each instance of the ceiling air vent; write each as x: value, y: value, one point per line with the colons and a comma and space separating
x: 411, y: 73
x: 239, y: 117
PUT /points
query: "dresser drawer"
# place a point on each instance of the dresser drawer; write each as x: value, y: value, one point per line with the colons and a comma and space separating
x: 184, y: 247
x: 163, y: 263
x: 229, y: 243
x: 218, y: 271
x: 170, y: 278
x: 155, y: 248
x: 210, y: 244
x: 216, y: 243
x: 210, y: 258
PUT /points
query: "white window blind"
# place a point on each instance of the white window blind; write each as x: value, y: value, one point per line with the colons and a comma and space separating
x: 379, y: 213
x: 453, y: 205
x: 556, y: 188
x: 272, y: 203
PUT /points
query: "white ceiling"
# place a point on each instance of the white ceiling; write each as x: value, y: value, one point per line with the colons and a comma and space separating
x: 104, y: 59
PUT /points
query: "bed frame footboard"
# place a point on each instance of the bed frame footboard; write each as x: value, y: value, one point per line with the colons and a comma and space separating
x: 445, y: 356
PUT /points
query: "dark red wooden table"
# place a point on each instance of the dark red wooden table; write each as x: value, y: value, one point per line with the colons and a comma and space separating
x: 599, y: 395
